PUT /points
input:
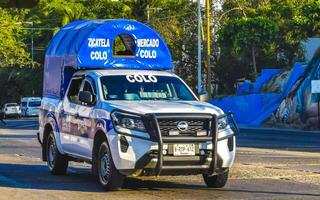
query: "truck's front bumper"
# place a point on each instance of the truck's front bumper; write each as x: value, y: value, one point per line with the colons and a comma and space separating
x: 203, y: 162
x: 214, y: 153
x: 13, y: 113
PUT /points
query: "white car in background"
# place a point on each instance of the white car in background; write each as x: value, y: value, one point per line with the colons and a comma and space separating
x: 11, y: 110
x: 30, y: 106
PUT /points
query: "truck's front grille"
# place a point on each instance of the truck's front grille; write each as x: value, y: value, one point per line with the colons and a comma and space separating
x: 195, y: 127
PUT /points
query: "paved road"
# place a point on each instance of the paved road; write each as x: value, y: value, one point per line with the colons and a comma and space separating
x: 269, y: 165
x: 293, y: 140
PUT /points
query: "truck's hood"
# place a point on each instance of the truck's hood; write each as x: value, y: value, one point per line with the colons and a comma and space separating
x: 144, y: 107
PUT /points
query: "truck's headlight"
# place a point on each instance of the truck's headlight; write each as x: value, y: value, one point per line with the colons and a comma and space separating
x: 127, y: 121
x: 222, y: 123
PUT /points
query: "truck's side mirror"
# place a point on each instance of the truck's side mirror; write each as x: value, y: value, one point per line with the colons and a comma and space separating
x: 86, y: 97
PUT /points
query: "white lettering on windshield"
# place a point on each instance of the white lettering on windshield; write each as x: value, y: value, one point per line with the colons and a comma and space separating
x: 142, y: 78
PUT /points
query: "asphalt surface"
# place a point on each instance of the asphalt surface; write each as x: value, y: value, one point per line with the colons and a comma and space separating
x: 268, y: 138
x: 270, y: 164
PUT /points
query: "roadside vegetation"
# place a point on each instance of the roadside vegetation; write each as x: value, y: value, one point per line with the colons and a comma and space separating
x: 247, y: 35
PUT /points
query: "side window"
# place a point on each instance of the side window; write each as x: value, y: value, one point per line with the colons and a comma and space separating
x: 87, y: 87
x: 74, y: 90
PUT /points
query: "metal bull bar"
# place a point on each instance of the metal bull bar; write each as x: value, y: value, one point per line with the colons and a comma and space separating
x: 213, y: 137
x: 153, y: 128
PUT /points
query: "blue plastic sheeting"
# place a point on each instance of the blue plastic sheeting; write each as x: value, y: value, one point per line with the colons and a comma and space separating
x: 244, y: 107
x: 252, y: 88
x: 253, y: 109
x: 89, y: 44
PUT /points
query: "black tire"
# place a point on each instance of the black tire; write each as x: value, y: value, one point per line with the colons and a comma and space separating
x: 216, y: 181
x: 108, y: 176
x: 57, y: 163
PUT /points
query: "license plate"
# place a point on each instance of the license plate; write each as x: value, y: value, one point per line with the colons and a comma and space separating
x: 184, y: 150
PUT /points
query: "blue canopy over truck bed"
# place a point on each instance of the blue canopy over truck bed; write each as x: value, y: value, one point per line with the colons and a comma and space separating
x: 90, y: 44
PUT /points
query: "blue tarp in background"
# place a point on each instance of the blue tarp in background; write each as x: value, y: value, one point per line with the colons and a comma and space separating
x: 250, y: 88
x: 246, y: 107
x: 253, y: 109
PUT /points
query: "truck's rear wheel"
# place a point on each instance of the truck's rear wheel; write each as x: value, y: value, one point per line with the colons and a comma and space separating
x: 216, y: 181
x: 57, y: 162
x: 109, y: 176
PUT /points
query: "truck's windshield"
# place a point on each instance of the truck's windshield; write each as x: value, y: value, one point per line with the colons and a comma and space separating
x: 144, y: 87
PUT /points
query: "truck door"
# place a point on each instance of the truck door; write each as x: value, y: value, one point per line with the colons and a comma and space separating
x: 86, y: 120
x: 69, y: 116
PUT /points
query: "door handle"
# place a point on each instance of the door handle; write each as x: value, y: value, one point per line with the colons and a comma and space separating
x: 76, y: 115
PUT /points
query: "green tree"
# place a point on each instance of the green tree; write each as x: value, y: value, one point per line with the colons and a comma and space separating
x: 18, y: 3
x: 61, y: 11
x: 107, y: 9
x: 17, y: 77
x: 290, y: 16
x: 12, y: 49
x: 296, y: 20
x: 310, y: 18
x: 248, y: 34
x: 175, y: 20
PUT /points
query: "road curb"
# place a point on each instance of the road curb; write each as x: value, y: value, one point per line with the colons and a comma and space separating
x: 276, y: 130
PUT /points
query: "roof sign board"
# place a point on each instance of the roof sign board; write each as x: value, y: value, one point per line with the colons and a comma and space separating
x: 91, y: 44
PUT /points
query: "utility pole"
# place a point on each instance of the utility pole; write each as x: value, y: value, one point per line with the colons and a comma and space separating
x: 199, y: 49
x: 32, y: 54
x: 148, y: 12
x: 208, y: 50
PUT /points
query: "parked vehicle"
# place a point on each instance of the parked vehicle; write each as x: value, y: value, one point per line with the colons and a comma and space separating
x: 11, y: 110
x: 30, y: 106
x: 126, y: 112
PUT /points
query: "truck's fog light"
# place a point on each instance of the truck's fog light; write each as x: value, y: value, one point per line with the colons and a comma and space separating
x: 230, y: 144
x: 202, y: 152
x: 164, y: 152
x: 124, y: 145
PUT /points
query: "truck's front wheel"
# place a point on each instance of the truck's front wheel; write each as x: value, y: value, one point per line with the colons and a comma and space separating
x: 57, y: 162
x: 108, y: 175
x: 216, y: 181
